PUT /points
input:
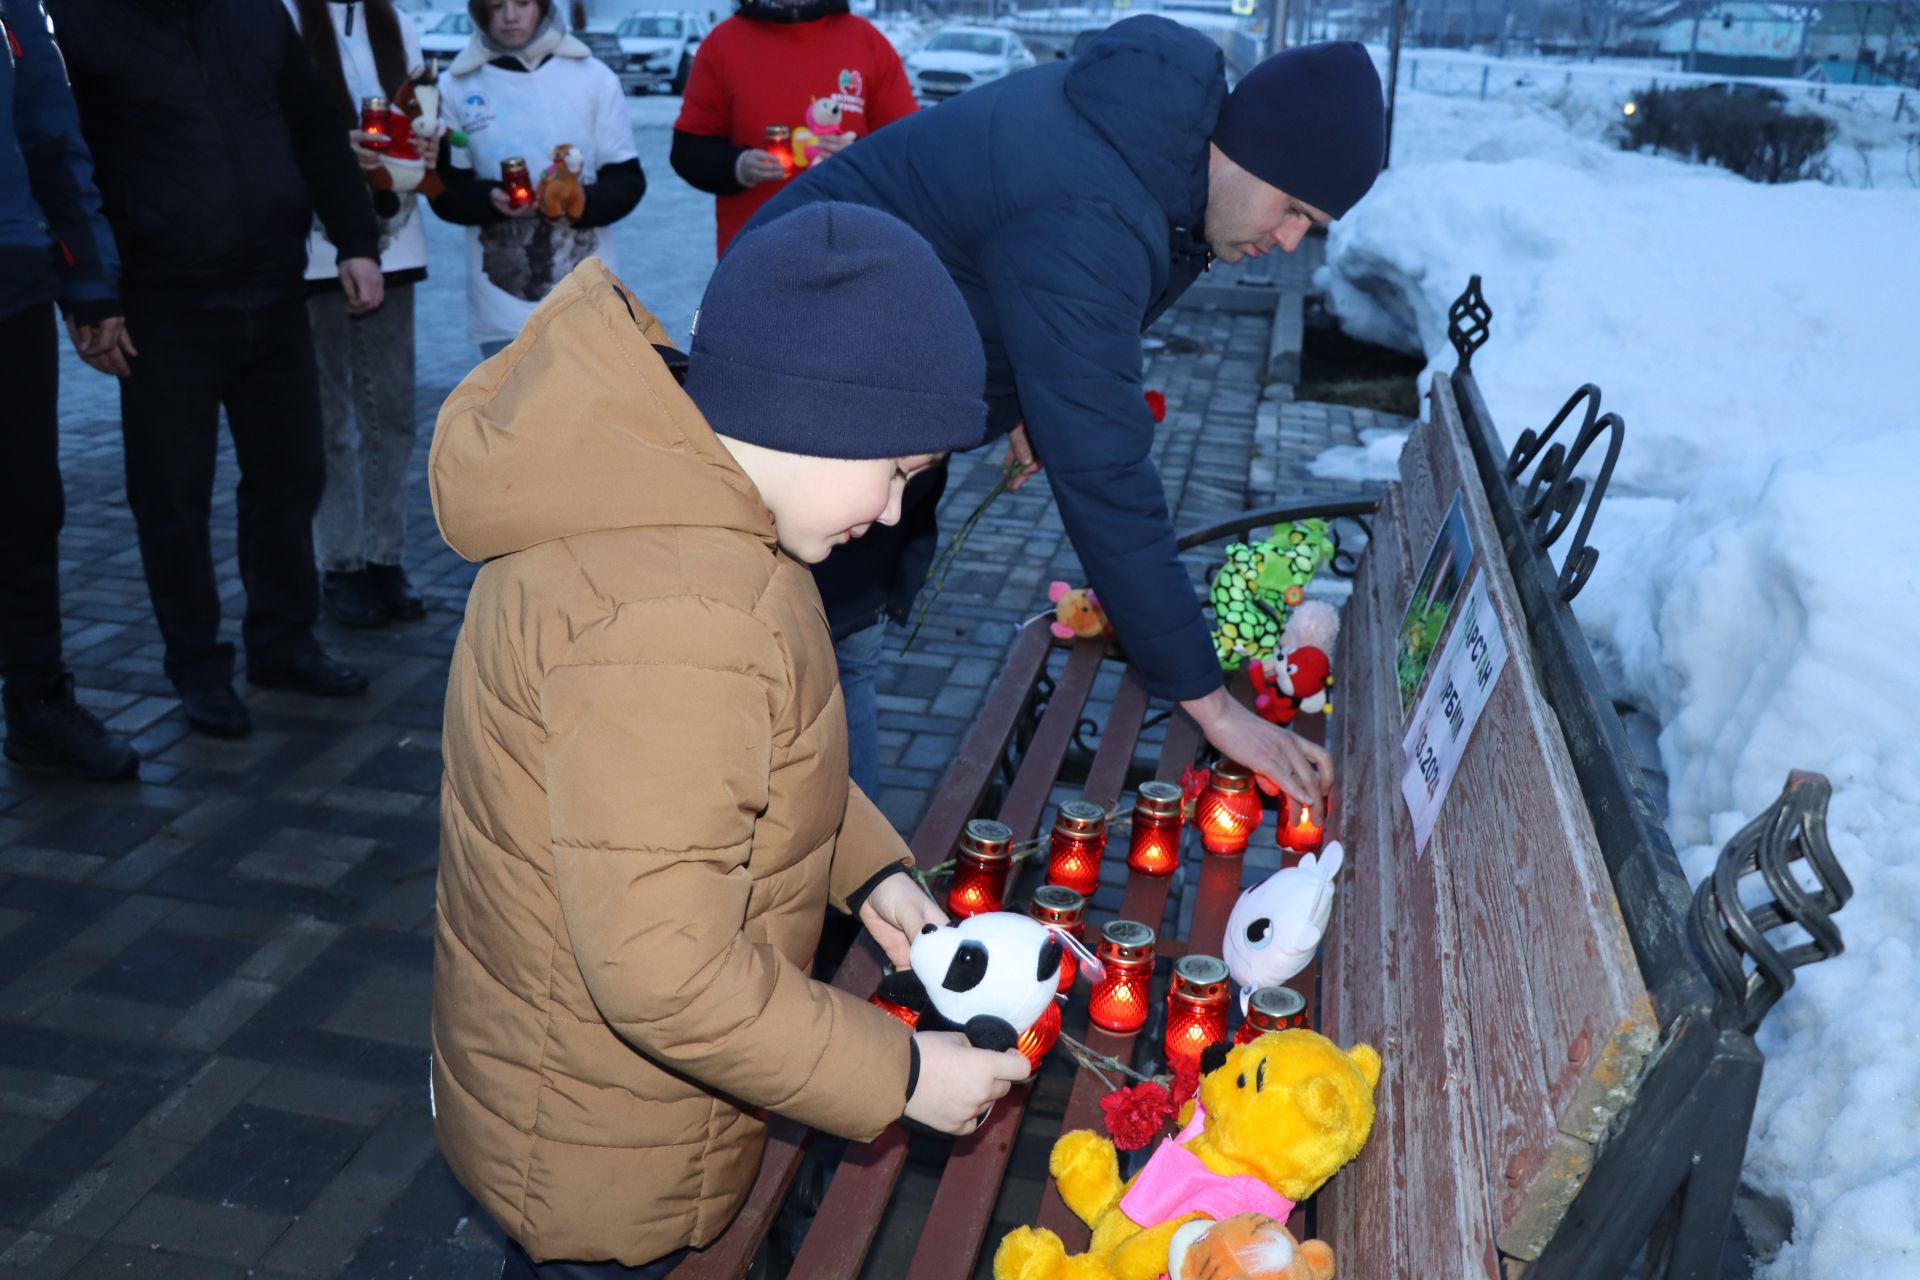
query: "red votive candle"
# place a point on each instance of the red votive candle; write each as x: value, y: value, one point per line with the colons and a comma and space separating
x: 1079, y: 838
x: 1119, y: 1003
x: 517, y: 183
x: 893, y: 1010
x: 1229, y: 809
x: 1040, y: 1037
x: 1155, y: 848
x: 1299, y: 833
x: 1272, y: 1009
x: 373, y: 123
x: 1196, y: 1009
x: 780, y: 143
x: 980, y: 871
x: 1062, y: 908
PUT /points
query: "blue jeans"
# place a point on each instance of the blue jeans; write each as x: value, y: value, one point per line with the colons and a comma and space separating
x: 488, y: 350
x: 859, y: 660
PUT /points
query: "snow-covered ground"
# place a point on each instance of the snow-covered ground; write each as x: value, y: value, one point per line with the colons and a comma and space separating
x: 1759, y: 581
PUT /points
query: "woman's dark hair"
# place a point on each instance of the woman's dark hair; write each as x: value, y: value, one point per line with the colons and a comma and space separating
x: 383, y: 33
x: 479, y: 9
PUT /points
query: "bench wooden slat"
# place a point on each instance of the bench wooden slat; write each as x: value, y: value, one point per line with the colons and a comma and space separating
x: 1560, y: 1019
x: 1444, y: 1223
x: 1145, y: 900
x: 857, y: 1197
x: 960, y: 789
x: 1357, y: 936
x: 957, y: 1220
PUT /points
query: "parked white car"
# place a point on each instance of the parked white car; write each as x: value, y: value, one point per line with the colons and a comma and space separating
x: 960, y: 58
x: 444, y: 40
x: 657, y: 50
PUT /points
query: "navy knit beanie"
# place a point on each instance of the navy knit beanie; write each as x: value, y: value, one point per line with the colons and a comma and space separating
x: 833, y: 331
x: 1311, y: 121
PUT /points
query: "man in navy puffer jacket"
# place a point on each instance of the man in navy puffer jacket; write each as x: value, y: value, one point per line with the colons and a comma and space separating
x: 1073, y: 204
x: 54, y: 247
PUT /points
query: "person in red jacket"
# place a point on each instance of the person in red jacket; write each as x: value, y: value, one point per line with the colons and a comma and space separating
x: 797, y: 63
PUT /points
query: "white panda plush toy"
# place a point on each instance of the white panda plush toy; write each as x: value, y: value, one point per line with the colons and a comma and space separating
x: 989, y: 976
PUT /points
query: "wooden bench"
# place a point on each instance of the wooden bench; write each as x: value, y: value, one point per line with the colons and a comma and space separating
x: 1567, y: 1033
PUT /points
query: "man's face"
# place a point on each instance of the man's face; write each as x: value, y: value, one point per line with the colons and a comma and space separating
x: 1248, y: 218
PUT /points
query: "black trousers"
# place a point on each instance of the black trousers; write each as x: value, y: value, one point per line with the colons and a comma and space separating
x: 32, y: 503
x: 520, y: 1267
x: 258, y: 364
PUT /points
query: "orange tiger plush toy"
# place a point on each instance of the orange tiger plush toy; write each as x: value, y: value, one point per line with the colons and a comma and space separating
x: 1247, y: 1246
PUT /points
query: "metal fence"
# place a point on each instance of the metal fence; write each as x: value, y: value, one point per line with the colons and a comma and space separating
x: 1462, y: 74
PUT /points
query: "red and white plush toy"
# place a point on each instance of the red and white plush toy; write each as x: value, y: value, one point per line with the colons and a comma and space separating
x: 1299, y: 678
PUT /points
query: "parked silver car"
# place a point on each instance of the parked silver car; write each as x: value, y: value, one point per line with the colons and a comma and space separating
x: 657, y: 50
x: 960, y: 58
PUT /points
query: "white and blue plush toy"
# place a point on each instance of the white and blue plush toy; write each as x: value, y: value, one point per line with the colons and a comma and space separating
x: 989, y: 977
x: 1275, y: 927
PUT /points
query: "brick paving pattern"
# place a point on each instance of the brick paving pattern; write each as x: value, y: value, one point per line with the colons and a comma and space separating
x: 214, y: 985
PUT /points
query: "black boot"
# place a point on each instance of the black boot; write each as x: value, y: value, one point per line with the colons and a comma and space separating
x: 351, y: 599
x: 312, y: 673
x: 216, y: 710
x: 49, y: 732
x: 395, y: 593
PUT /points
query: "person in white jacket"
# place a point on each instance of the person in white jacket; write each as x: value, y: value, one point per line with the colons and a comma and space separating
x: 525, y: 89
x: 366, y: 49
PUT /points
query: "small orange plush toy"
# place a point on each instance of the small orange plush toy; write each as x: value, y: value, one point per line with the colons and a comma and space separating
x: 1077, y: 613
x: 560, y: 189
x: 1247, y: 1246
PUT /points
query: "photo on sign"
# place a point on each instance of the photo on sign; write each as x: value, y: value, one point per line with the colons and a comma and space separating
x: 1433, y: 595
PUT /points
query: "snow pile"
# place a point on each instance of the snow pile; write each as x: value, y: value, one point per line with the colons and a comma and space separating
x: 1758, y: 588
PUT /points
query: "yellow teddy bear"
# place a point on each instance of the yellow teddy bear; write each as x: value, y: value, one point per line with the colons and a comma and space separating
x: 1283, y: 1114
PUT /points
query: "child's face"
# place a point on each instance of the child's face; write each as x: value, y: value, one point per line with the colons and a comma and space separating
x: 822, y: 503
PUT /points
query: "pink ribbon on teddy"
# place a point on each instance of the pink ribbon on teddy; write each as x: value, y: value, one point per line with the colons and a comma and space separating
x: 1176, y: 1182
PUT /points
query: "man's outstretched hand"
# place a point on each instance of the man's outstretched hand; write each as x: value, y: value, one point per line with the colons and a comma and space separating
x: 1280, y: 761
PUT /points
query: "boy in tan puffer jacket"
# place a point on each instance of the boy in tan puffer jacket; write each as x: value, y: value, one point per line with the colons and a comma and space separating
x: 646, y: 807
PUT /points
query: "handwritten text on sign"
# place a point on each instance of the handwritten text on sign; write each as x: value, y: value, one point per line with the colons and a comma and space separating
x: 1463, y: 680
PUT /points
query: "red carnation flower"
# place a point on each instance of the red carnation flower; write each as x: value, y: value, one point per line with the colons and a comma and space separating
x: 1136, y: 1116
x: 1157, y: 405
x: 1192, y: 783
x: 1186, y: 1083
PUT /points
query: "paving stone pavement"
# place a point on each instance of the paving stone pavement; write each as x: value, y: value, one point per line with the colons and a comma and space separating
x: 214, y: 985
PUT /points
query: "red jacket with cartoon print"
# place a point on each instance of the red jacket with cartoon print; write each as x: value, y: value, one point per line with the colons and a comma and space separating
x: 750, y: 74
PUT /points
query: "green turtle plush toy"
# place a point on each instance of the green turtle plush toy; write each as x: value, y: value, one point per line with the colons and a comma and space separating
x: 1258, y: 587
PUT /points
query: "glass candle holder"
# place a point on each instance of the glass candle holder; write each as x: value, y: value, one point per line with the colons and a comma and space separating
x: 516, y: 182
x: 373, y: 123
x: 1064, y: 909
x: 1196, y: 1009
x: 899, y: 1011
x: 1272, y: 1009
x: 1155, y: 847
x: 1229, y: 809
x: 1079, y: 838
x: 1300, y: 832
x: 1042, y: 1035
x: 780, y: 144
x: 1119, y: 1003
x: 980, y: 871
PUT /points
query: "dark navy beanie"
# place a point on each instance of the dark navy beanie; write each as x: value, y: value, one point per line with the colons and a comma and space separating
x: 833, y: 331
x: 1311, y: 121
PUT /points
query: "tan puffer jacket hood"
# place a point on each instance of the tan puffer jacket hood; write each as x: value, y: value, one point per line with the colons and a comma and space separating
x: 646, y: 809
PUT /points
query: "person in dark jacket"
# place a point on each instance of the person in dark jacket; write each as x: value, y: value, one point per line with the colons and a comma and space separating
x: 215, y: 144
x: 1072, y: 204
x: 54, y: 247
